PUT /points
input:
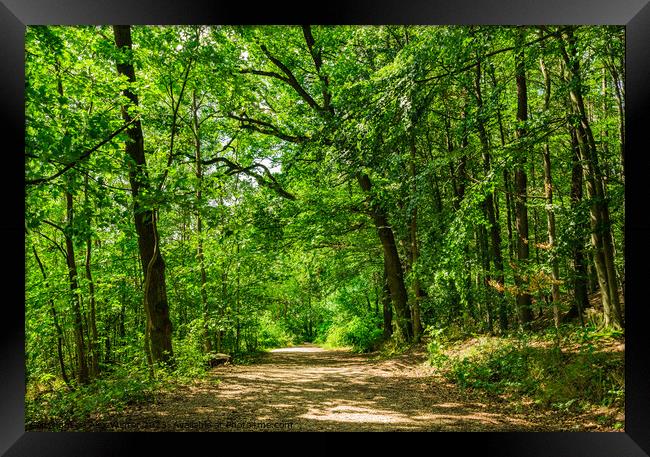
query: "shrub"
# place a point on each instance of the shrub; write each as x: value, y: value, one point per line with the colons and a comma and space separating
x: 362, y: 334
x: 273, y: 335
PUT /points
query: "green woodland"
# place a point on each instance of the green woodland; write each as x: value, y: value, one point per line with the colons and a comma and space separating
x: 199, y: 191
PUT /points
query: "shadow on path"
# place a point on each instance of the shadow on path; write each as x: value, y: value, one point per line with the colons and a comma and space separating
x: 309, y: 388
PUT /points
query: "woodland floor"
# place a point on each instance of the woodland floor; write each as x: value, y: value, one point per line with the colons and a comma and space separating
x: 307, y: 388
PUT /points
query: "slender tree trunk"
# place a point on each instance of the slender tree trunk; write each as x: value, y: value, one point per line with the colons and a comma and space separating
x: 618, y: 84
x: 387, y: 307
x: 207, y: 345
x: 415, y: 253
x: 490, y: 207
x: 581, y: 296
x: 82, y: 366
x: 506, y: 174
x: 159, y: 327
x: 55, y: 319
x: 94, y: 337
x: 237, y: 304
x: 521, y: 209
x: 484, y: 257
x: 391, y: 261
x: 600, y: 222
x: 94, y: 341
x: 550, y: 213
x: 224, y: 292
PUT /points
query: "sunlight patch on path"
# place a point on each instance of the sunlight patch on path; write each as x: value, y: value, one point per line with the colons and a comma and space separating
x: 356, y: 414
x: 300, y: 349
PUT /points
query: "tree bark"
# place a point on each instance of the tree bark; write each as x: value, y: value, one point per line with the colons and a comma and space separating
x: 601, y: 235
x: 490, y: 207
x: 94, y: 340
x: 618, y: 85
x: 207, y: 344
x: 506, y: 174
x: 159, y: 328
x: 391, y: 261
x: 581, y: 296
x: 80, y: 345
x: 550, y: 213
x: 387, y: 307
x: 55, y: 319
x: 521, y: 209
x: 93, y: 337
x: 415, y: 253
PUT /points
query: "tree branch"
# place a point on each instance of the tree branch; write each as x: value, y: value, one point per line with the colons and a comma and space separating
x: 56, y: 245
x: 84, y: 155
x: 258, y: 126
x: 234, y: 168
x: 291, y: 80
x: 270, y: 74
x: 317, y: 57
x: 170, y: 158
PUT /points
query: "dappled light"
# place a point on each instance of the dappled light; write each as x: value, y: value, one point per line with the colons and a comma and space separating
x: 315, y: 389
x: 323, y: 227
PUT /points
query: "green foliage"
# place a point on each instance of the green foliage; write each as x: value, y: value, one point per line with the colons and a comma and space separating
x: 58, y: 408
x: 273, y: 334
x: 361, y: 334
x: 578, y: 376
x: 287, y: 250
x: 435, y: 347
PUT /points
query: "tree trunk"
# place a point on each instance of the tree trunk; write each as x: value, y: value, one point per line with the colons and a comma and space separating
x: 417, y: 296
x: 80, y: 345
x: 489, y: 206
x: 94, y: 337
x: 82, y: 368
x: 55, y: 319
x: 581, y: 296
x: 387, y: 307
x: 521, y: 209
x: 601, y: 236
x: 94, y: 341
x: 484, y: 256
x: 550, y: 213
x: 618, y: 84
x: 506, y: 174
x: 159, y: 328
x: 391, y: 261
x: 207, y: 344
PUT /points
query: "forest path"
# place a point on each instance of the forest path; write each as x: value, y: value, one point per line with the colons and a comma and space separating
x: 310, y: 388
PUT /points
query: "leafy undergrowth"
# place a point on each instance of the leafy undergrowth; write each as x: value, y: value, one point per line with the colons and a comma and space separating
x: 53, y: 406
x: 576, y: 370
x: 355, y: 333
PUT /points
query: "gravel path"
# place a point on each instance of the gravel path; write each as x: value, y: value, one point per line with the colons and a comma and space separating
x: 308, y: 388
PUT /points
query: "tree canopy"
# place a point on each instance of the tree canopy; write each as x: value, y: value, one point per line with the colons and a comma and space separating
x: 193, y: 190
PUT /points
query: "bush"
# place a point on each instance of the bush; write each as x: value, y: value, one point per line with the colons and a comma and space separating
x: 436, y: 346
x: 361, y: 334
x: 273, y: 335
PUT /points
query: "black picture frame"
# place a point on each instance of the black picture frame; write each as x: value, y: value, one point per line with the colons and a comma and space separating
x: 15, y: 15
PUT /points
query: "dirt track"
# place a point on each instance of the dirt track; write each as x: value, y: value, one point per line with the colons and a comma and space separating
x: 309, y: 388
